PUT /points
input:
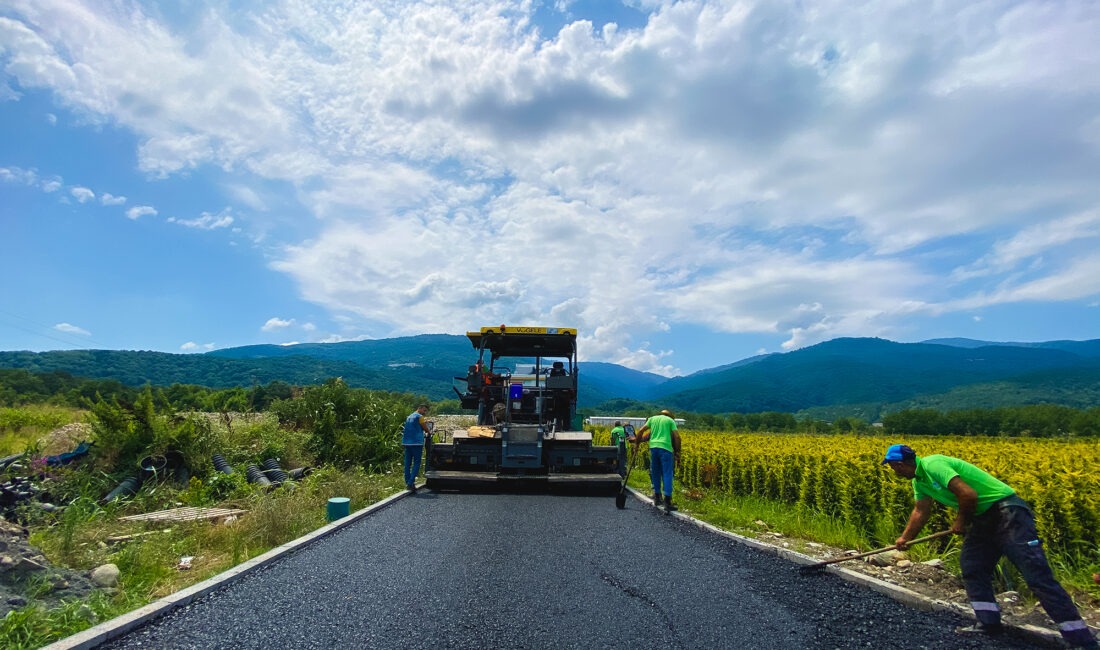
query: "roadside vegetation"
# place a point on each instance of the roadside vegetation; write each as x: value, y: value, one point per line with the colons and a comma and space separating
x: 346, y: 439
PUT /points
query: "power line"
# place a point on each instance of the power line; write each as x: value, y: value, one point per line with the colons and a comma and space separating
x: 38, y: 331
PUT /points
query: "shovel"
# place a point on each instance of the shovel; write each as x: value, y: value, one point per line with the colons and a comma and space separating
x: 620, y: 498
x: 820, y: 566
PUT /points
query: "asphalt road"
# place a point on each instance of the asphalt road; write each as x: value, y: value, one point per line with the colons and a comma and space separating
x: 448, y: 570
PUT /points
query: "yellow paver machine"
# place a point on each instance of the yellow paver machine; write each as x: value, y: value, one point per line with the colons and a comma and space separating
x: 523, y: 385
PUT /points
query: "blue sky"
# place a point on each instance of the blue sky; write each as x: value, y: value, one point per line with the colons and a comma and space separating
x: 688, y: 183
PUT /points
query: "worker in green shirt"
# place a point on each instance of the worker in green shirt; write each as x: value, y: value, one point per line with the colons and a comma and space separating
x: 995, y: 522
x: 664, y: 453
x: 618, y: 433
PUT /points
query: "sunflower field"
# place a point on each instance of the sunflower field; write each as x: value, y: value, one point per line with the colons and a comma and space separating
x: 842, y: 477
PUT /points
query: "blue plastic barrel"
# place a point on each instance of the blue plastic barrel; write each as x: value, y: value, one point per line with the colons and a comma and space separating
x: 338, y: 507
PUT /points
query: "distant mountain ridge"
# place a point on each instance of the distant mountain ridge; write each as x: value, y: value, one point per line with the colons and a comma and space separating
x: 859, y: 376
x: 1089, y: 348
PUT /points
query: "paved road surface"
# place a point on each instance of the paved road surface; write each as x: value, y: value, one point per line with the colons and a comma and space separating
x: 447, y: 570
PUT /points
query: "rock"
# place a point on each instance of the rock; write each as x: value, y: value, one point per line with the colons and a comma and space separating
x: 86, y: 613
x: 904, y: 564
x: 6, y: 562
x: 936, y: 563
x: 761, y: 523
x: 814, y: 545
x: 25, y: 566
x: 105, y: 575
x: 17, y: 601
x: 880, y: 560
x: 1009, y: 596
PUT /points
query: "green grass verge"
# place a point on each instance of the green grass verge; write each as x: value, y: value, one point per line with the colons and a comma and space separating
x: 148, y: 560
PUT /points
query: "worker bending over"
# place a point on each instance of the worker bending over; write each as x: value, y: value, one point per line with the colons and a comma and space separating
x: 996, y: 522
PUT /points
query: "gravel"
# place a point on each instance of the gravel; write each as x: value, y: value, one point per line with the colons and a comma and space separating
x: 450, y: 570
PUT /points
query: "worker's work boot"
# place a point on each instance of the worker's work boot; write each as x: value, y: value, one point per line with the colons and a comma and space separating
x: 990, y: 629
x: 669, y: 508
x: 657, y: 499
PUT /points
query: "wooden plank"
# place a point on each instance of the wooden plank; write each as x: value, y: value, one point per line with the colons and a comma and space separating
x: 184, y: 514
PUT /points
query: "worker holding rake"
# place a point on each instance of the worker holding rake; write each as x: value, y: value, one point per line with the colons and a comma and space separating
x: 995, y: 522
x: 664, y: 453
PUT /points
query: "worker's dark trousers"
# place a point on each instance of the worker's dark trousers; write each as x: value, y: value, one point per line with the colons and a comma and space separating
x: 1008, y: 529
x: 413, y: 454
x: 660, y: 470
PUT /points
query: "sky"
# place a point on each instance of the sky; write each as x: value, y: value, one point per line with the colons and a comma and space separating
x: 687, y: 183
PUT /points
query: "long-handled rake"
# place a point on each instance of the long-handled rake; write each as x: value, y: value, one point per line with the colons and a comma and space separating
x: 620, y: 498
x: 820, y: 566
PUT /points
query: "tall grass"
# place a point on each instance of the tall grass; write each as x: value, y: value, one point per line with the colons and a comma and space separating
x: 148, y: 560
x: 22, y: 427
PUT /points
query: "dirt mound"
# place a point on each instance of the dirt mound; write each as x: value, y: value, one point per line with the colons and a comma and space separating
x: 63, y: 439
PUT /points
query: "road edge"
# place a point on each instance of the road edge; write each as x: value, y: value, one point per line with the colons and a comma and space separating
x: 1038, y: 635
x: 120, y: 625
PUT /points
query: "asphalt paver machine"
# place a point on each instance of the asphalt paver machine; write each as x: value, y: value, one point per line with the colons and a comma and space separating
x: 523, y: 386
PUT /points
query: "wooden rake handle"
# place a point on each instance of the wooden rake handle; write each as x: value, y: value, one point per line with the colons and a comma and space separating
x: 919, y: 540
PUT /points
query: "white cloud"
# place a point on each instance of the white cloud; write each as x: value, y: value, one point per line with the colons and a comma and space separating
x: 18, y: 175
x: 82, y: 194
x: 139, y: 211
x: 206, y: 221
x: 807, y: 170
x: 110, y: 199
x: 274, y: 324
x: 248, y: 196
x: 191, y: 346
x: 71, y: 329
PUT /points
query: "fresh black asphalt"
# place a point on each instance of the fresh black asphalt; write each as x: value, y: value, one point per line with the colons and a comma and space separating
x: 451, y: 570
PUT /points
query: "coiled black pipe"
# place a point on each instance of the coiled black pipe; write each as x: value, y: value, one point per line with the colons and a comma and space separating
x: 221, y: 465
x: 274, y: 472
x: 256, y: 476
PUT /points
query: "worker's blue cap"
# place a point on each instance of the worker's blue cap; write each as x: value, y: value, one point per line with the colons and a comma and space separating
x: 899, y: 453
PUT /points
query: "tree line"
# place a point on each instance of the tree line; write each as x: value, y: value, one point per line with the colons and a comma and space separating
x: 19, y: 387
x: 1032, y: 420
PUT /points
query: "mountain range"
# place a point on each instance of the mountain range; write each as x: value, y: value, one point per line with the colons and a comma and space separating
x: 862, y: 377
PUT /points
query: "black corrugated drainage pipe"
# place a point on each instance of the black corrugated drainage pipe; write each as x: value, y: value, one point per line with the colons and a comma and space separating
x: 127, y: 487
x: 221, y: 465
x: 152, y: 467
x: 274, y: 472
x: 299, y: 473
x: 256, y: 476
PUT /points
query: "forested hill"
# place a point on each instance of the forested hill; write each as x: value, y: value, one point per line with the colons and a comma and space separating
x: 434, y: 350
x: 847, y: 376
x: 136, y: 368
x: 850, y: 371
